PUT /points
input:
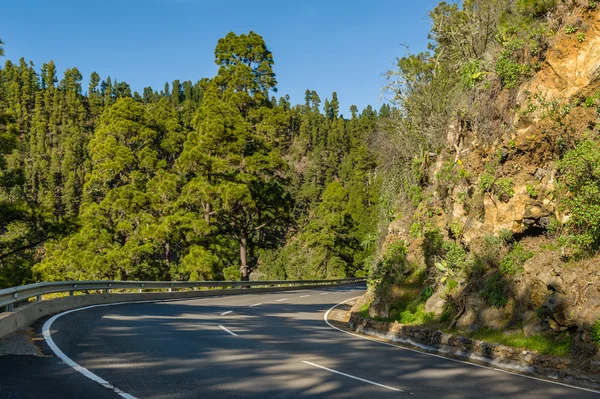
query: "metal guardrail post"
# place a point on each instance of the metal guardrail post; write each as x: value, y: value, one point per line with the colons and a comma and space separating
x: 38, y: 298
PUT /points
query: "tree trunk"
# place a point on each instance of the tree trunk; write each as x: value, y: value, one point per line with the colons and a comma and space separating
x: 207, y: 211
x: 245, y: 276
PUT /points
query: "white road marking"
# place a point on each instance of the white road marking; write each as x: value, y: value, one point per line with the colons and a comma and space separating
x: 227, y: 330
x: 324, y: 293
x: 353, y: 377
x: 326, y: 315
x: 224, y: 313
x: 280, y: 300
x: 256, y: 304
x: 304, y: 296
x: 70, y: 362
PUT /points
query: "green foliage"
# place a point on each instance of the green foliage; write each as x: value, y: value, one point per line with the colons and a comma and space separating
x: 394, y: 258
x: 486, y: 181
x: 550, y: 344
x: 510, y: 71
x: 493, y: 291
x: 463, y: 174
x: 580, y: 173
x: 455, y: 255
x: 416, y: 230
x: 427, y: 292
x: 581, y: 37
x: 595, y: 332
x: 535, y: 8
x: 432, y: 246
x: 231, y: 273
x: 503, y: 188
x: 444, y: 271
x: 592, y: 5
x: 416, y: 316
x: 471, y: 74
x: 513, y: 262
x: 591, y: 100
x: 531, y: 190
x: 456, y: 228
x: 570, y: 29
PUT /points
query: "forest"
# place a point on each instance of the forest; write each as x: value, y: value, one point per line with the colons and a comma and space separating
x: 207, y: 180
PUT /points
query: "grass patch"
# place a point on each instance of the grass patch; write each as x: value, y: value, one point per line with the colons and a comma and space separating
x: 557, y: 345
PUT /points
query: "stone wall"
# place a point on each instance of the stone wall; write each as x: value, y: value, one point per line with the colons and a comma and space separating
x: 581, y: 372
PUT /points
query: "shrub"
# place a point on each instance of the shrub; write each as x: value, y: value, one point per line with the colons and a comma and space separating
x: 416, y: 230
x: 471, y: 74
x: 579, y: 171
x: 446, y: 177
x: 493, y: 291
x: 486, y: 181
x: 426, y: 293
x: 395, y: 254
x: 456, y: 255
x: 595, y: 332
x: 456, y: 228
x: 415, y: 194
x: 509, y: 71
x: 570, y: 29
x: 581, y: 37
x: 535, y: 8
x: 513, y: 262
x: 531, y: 190
x: 590, y: 102
x: 503, y: 188
x: 432, y: 246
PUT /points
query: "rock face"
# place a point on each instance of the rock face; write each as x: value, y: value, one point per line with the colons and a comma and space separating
x: 520, y: 196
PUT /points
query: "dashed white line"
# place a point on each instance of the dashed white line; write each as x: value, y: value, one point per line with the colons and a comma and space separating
x: 227, y: 330
x: 304, y: 296
x: 256, y: 304
x: 353, y: 377
x: 280, y: 300
x: 324, y: 293
x: 225, y: 313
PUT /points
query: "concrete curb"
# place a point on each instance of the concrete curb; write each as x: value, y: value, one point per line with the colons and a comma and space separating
x: 26, y: 315
x: 509, y: 359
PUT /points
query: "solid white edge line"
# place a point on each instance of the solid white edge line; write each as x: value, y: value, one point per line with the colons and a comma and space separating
x: 353, y: 377
x: 88, y: 374
x: 226, y: 313
x: 325, y: 316
x: 227, y: 330
x: 70, y: 362
x: 280, y: 300
x: 256, y: 304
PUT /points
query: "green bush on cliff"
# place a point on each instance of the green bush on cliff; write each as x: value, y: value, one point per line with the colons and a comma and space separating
x: 579, y: 172
x: 493, y: 291
x: 513, y: 262
x: 535, y: 8
x: 595, y: 332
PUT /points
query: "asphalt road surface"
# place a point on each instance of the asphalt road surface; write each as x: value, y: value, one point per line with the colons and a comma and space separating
x: 274, y: 345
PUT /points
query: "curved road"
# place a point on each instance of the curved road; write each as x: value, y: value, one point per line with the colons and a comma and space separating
x: 272, y: 345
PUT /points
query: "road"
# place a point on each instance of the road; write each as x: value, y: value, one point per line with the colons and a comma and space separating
x: 274, y: 345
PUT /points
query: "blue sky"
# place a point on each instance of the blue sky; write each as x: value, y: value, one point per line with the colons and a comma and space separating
x: 324, y: 45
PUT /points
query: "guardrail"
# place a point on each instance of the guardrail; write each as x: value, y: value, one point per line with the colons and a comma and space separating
x: 10, y: 296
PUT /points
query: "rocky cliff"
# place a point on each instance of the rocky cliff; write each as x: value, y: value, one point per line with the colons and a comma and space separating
x: 484, y: 244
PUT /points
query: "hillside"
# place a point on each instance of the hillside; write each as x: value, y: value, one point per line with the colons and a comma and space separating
x: 496, y: 222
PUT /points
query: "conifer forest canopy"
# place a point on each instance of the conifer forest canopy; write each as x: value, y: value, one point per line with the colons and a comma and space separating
x: 207, y: 180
